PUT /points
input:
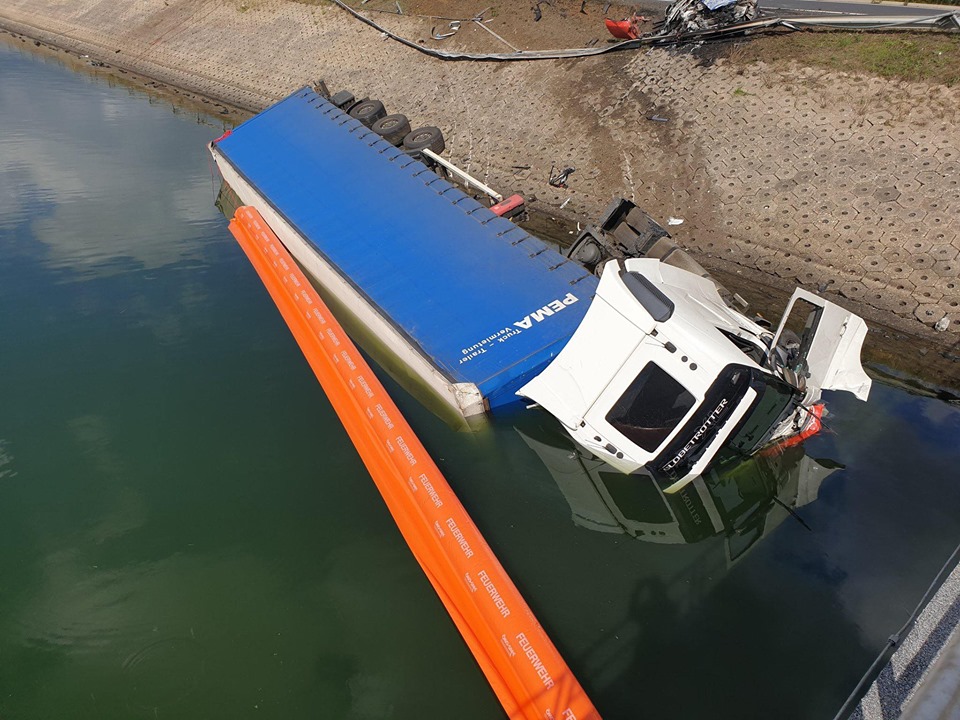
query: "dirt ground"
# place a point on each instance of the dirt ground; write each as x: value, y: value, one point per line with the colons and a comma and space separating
x: 561, y: 23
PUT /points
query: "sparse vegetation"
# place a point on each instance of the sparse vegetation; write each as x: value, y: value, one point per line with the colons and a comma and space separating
x: 929, y: 57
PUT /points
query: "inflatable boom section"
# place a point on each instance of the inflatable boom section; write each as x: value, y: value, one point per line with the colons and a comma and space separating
x: 520, y: 662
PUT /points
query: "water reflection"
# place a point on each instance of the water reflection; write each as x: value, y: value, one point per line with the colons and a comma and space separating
x: 79, y: 153
x: 742, y: 500
x: 189, y: 533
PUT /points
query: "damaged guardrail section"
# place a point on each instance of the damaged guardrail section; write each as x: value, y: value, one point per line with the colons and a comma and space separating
x: 948, y: 21
x: 523, y: 667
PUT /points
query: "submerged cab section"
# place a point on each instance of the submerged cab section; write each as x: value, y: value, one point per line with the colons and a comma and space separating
x: 662, y: 373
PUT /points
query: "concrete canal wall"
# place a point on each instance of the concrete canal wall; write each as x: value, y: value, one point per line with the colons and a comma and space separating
x: 845, y: 184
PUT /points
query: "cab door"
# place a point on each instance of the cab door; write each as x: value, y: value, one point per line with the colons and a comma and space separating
x: 830, y: 340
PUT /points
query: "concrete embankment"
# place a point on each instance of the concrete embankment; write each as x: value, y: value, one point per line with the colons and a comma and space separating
x: 846, y: 185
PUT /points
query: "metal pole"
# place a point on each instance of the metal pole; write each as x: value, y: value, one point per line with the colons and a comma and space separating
x: 463, y: 175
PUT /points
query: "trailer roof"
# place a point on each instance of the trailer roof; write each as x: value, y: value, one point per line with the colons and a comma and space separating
x: 488, y: 303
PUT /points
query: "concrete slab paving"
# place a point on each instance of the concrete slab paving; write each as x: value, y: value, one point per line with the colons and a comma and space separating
x: 846, y: 184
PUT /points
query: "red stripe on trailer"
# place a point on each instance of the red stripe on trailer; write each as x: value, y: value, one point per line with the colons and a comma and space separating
x: 508, y: 205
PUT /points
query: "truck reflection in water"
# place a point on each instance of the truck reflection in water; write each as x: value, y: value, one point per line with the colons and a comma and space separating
x: 740, y: 499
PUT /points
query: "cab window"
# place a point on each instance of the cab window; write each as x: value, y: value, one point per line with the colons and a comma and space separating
x: 651, y: 408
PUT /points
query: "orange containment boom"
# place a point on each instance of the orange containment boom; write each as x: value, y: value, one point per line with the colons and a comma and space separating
x: 521, y: 664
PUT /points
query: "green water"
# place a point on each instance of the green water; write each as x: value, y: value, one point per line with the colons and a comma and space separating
x: 186, y: 531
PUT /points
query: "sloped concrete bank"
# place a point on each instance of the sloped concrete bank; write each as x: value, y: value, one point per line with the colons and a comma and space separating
x: 840, y: 183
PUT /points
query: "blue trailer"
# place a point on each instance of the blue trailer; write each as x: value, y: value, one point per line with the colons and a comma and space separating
x: 466, y: 301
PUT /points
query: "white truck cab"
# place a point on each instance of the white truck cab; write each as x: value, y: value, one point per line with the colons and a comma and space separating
x: 662, y: 373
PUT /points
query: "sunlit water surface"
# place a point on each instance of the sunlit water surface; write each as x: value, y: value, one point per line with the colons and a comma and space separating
x: 186, y: 531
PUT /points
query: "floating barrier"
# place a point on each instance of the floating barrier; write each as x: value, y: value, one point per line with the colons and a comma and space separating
x: 522, y: 666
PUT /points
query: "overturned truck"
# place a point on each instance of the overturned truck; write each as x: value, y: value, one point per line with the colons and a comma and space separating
x: 625, y: 340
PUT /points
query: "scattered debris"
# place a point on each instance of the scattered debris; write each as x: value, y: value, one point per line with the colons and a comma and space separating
x: 657, y: 118
x: 692, y: 15
x: 454, y: 26
x: 480, y: 23
x: 564, y: 203
x: 399, y: 9
x: 560, y: 179
x: 628, y: 29
x: 942, y: 324
x: 537, y: 14
x: 716, y: 23
x: 675, y: 221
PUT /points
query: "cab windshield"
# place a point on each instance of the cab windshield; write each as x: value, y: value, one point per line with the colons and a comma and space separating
x: 775, y: 400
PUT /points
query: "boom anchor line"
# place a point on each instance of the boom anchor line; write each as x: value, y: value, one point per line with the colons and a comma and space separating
x: 524, y: 668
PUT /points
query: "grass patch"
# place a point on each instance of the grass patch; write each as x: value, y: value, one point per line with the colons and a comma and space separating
x: 927, y: 57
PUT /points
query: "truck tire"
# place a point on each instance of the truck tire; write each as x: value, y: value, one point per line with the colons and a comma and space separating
x: 368, y: 111
x: 393, y: 128
x: 425, y: 138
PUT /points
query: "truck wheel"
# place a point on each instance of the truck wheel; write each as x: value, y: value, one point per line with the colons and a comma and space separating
x: 368, y: 111
x: 425, y: 138
x: 393, y: 128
